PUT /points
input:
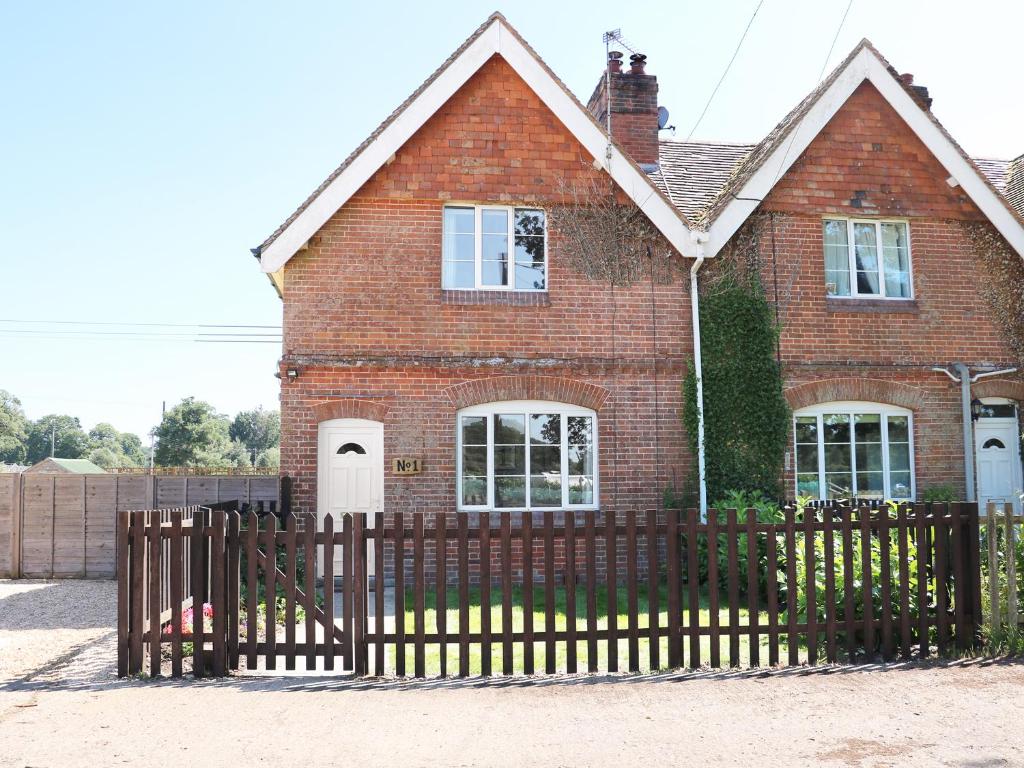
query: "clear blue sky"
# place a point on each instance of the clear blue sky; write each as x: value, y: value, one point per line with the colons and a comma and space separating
x: 146, y: 147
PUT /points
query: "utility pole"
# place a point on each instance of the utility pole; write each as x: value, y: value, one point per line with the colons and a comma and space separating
x: 53, y: 440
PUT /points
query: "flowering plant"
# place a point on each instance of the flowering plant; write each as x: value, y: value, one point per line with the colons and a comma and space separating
x: 188, y: 620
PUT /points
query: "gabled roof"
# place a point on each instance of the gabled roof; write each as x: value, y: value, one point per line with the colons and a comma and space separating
x: 692, y: 173
x: 1008, y: 177
x: 495, y: 37
x: 75, y: 466
x: 753, y: 178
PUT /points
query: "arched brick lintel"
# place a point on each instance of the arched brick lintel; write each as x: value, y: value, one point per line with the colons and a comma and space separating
x: 869, y: 390
x: 1011, y: 390
x: 349, y: 408
x: 554, y: 388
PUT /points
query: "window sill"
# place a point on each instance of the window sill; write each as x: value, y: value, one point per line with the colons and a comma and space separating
x: 873, y: 306
x: 500, y: 298
x: 536, y: 515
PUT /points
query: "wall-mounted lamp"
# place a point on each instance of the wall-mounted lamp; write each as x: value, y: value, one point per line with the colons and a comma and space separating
x: 976, y: 409
x: 292, y: 373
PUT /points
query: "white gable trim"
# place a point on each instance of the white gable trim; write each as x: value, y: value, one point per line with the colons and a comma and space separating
x: 496, y: 38
x: 866, y: 65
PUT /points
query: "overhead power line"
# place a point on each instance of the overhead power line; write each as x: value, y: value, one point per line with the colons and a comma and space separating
x: 51, y: 332
x: 728, y: 66
x: 821, y: 75
x: 146, y: 340
x: 35, y: 321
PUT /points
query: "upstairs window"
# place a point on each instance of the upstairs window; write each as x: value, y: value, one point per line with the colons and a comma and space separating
x: 867, y: 259
x: 488, y: 247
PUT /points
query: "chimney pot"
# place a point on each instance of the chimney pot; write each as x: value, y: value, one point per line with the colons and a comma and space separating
x: 615, y: 62
x: 636, y: 63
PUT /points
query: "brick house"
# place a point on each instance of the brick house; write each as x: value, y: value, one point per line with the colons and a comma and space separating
x: 442, y: 352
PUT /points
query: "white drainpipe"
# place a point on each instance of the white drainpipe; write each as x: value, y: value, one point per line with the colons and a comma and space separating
x: 699, y: 238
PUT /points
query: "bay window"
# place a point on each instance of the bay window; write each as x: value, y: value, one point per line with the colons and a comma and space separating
x: 489, y: 247
x: 527, y: 455
x: 854, y: 450
x: 867, y: 258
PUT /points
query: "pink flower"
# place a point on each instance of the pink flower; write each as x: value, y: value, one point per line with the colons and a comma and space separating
x: 208, y: 610
x: 186, y: 622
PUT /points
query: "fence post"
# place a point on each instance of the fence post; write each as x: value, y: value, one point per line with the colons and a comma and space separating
x: 285, y: 493
x: 122, y: 570
x: 234, y: 582
x: 153, y: 574
x: 136, y: 593
x: 199, y: 571
x: 974, y: 563
x: 17, y: 511
x: 218, y: 592
x: 359, y: 590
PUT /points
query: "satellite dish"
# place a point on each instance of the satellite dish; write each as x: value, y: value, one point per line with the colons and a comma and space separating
x: 662, y: 117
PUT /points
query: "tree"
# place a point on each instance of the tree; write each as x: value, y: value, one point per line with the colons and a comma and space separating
x: 69, y: 440
x: 269, y: 458
x: 257, y: 430
x: 114, y: 449
x: 106, y: 458
x: 131, y: 447
x: 192, y: 434
x: 236, y: 455
x: 13, y: 429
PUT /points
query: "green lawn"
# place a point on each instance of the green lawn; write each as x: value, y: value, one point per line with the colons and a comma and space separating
x: 433, y: 654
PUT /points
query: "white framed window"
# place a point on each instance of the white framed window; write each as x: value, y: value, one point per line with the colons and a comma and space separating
x: 496, y: 248
x: 526, y: 455
x: 854, y: 449
x: 867, y: 258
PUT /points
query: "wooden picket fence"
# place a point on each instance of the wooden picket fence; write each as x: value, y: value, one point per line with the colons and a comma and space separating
x: 883, y: 584
x: 1002, y: 540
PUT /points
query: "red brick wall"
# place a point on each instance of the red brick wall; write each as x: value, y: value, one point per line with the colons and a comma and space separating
x: 867, y: 163
x: 365, y: 316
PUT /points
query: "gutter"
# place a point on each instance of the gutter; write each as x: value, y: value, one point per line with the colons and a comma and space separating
x: 699, y: 239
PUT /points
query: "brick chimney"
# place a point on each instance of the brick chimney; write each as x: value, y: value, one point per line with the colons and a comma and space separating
x: 634, y: 106
x: 918, y: 92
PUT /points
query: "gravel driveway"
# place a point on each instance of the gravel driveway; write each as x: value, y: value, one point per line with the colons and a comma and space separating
x: 61, y: 705
x: 43, y: 623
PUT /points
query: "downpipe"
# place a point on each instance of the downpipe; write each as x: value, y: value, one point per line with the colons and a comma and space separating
x: 699, y: 239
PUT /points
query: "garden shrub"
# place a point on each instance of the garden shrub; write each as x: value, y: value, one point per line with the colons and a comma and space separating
x: 839, y: 602
x: 766, y: 512
x: 746, y: 417
x: 939, y: 494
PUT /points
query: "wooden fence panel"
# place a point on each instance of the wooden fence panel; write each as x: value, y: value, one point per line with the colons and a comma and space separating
x: 64, y: 525
x: 165, y: 565
x: 37, y: 537
x: 10, y: 524
x: 102, y: 504
x: 69, y: 522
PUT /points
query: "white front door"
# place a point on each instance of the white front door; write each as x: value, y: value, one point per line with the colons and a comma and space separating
x: 997, y: 447
x: 351, y: 472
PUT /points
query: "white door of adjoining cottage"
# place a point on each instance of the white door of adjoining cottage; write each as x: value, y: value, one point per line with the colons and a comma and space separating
x: 997, y: 446
x: 350, y: 474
